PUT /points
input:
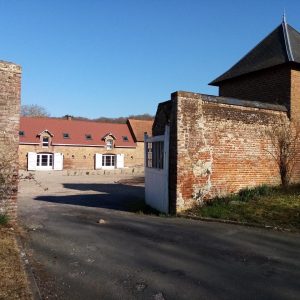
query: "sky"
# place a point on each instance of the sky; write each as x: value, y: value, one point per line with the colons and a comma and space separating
x: 116, y: 58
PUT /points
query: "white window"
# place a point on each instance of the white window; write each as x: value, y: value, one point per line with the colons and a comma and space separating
x: 155, y: 155
x: 109, y: 144
x: 108, y: 160
x: 44, y: 161
x: 45, y: 141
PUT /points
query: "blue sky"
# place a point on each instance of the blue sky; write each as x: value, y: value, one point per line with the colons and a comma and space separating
x: 120, y: 57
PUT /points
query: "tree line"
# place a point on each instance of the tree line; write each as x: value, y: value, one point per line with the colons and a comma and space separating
x: 34, y: 110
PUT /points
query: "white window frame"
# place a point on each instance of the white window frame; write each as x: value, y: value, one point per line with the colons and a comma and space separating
x: 45, y: 144
x: 109, y: 144
x: 50, y: 161
x: 155, y: 154
x: 113, y: 161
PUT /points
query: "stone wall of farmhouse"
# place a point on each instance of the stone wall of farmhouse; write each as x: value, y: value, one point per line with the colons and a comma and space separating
x: 10, y: 89
x: 218, y: 146
x: 83, y: 158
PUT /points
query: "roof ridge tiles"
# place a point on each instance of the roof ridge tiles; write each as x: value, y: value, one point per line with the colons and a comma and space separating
x: 287, y: 41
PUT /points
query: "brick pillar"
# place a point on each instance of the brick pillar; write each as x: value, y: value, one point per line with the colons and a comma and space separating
x: 10, y: 92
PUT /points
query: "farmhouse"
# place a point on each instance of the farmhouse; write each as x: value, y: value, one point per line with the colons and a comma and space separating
x: 57, y: 144
x: 206, y: 146
x: 137, y: 129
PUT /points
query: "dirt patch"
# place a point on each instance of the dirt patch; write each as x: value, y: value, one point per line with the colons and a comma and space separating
x: 13, y: 280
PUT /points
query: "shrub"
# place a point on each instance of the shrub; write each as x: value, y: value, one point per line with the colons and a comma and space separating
x: 253, y: 193
x: 3, y: 219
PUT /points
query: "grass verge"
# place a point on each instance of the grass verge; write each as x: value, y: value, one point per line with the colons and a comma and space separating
x: 13, y: 280
x: 264, y: 205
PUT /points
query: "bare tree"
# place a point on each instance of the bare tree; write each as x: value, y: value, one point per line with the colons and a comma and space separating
x: 34, y: 110
x: 284, y: 137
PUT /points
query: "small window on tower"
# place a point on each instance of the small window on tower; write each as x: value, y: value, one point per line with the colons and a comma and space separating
x: 125, y: 138
x: 21, y: 133
x: 66, y: 135
x: 88, y: 136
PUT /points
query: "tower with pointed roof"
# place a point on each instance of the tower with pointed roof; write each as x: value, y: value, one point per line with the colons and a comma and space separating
x: 270, y: 72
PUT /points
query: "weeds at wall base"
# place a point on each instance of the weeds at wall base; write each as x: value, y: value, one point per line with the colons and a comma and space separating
x: 4, y: 220
x: 264, y: 205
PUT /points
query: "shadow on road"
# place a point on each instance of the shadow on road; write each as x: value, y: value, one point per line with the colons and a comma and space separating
x: 110, y: 196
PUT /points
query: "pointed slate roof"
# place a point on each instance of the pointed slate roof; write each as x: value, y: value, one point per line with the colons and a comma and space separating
x: 281, y: 46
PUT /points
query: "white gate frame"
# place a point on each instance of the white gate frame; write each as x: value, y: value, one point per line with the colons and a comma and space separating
x: 157, y: 180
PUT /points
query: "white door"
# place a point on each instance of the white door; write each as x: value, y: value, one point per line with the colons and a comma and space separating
x: 31, y: 161
x: 108, y: 161
x: 58, y: 161
x: 44, y: 161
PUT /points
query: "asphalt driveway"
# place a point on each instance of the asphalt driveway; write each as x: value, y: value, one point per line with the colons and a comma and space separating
x: 83, y: 243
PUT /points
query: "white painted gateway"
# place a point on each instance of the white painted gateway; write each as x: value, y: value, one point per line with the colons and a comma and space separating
x: 45, y: 161
x: 157, y: 171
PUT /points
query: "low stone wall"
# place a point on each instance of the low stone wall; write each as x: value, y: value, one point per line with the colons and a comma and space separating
x: 137, y: 171
x: 10, y: 89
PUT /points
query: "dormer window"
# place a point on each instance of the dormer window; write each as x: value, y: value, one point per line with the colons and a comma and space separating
x: 21, y: 133
x: 66, y: 136
x: 125, y: 138
x: 45, y: 141
x: 88, y: 137
x: 109, y: 144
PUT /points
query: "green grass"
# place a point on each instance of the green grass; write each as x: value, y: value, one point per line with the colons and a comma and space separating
x: 264, y: 205
x: 3, y: 220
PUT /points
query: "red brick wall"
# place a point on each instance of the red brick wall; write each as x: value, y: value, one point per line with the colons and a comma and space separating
x: 295, y: 94
x: 218, y: 147
x: 10, y: 88
x: 271, y: 85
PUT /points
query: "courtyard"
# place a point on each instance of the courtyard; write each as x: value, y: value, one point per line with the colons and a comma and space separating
x: 84, y: 241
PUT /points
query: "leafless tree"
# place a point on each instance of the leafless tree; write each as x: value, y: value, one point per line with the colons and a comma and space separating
x: 284, y: 137
x: 34, y: 110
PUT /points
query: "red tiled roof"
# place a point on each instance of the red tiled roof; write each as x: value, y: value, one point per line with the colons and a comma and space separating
x: 77, y: 131
x: 139, y: 127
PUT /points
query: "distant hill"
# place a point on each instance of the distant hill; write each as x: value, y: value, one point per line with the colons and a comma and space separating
x: 120, y: 120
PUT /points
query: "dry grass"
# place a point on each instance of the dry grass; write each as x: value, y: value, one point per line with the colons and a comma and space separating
x: 13, y: 281
x: 273, y: 206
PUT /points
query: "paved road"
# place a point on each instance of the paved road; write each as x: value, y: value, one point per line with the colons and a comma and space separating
x: 133, y: 256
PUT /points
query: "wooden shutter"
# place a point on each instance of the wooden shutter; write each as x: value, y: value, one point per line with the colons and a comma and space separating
x: 31, y: 161
x: 120, y: 161
x: 58, y: 161
x: 98, y: 161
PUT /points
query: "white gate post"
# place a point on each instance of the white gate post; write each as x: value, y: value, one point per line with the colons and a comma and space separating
x: 166, y: 165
